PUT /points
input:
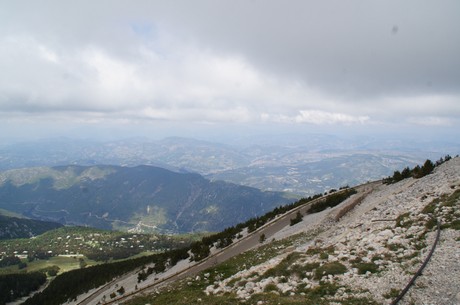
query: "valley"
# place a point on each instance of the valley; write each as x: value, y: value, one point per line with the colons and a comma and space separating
x: 300, y: 164
x: 155, y: 264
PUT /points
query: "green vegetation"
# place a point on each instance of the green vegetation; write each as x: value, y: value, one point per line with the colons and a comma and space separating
x: 417, y: 172
x: 298, y: 218
x: 89, y: 243
x: 190, y: 291
x: 63, y: 288
x: 363, y: 268
x: 318, y: 250
x: 13, y: 286
x: 143, y: 197
x: 13, y: 227
x: 331, y: 201
x: 404, y: 221
x: 98, y: 245
x: 201, y: 249
x: 286, y: 267
x: 322, y: 290
x: 393, y: 293
x: 331, y: 268
x: 443, y: 207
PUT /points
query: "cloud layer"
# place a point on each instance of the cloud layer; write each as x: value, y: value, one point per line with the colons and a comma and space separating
x: 296, y: 62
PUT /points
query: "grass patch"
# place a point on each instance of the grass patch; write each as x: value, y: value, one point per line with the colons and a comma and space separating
x: 454, y: 225
x: 429, y: 208
x: 453, y: 199
x: 430, y: 224
x: 393, y: 293
x: 286, y: 267
x: 309, y: 267
x: 318, y: 250
x: 332, y: 268
x: 358, y: 301
x: 322, y: 290
x: 270, y: 287
x: 394, y: 247
x: 258, y: 256
x: 404, y: 220
x: 366, y: 267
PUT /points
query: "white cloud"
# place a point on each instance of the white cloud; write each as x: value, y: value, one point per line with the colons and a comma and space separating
x: 151, y: 61
x: 317, y: 117
x: 430, y: 121
x: 322, y: 117
x: 48, y: 54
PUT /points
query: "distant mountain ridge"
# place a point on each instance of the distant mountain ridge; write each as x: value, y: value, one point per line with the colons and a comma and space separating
x: 13, y: 227
x: 142, y: 198
x: 302, y: 164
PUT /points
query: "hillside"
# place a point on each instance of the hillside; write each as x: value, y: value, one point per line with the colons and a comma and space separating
x: 13, y: 227
x: 372, y: 251
x: 364, y: 251
x: 139, y: 199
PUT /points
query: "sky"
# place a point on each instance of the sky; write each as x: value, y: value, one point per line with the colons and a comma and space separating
x: 136, y: 68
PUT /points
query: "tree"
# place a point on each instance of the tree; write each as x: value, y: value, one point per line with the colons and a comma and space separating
x: 262, y: 238
x: 417, y: 172
x: 427, y: 168
x: 121, y: 290
x: 83, y: 264
x: 199, y: 251
x: 406, y: 173
x: 298, y: 218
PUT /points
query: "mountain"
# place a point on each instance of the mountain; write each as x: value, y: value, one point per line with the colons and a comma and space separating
x: 131, y: 198
x: 13, y: 227
x: 301, y: 164
x: 365, y: 250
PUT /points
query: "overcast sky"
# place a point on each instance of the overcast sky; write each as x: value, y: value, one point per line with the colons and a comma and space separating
x: 362, y: 65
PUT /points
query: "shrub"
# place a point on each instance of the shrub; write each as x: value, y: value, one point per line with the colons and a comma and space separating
x: 403, y: 220
x: 365, y: 267
x: 332, y: 268
x: 323, y: 289
x: 331, y: 201
x: 309, y: 267
x: 270, y: 287
x: 297, y: 219
x: 393, y: 293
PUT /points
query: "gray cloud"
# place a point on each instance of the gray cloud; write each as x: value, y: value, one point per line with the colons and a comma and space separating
x: 294, y: 62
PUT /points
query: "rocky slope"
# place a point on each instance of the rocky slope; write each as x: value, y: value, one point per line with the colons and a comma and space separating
x: 366, y: 250
x: 363, y: 251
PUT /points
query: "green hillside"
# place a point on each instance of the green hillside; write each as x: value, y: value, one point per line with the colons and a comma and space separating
x: 142, y: 198
x: 13, y: 227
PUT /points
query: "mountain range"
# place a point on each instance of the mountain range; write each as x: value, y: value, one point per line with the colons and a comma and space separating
x: 138, y: 199
x: 303, y: 164
x: 386, y: 243
x: 13, y: 227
